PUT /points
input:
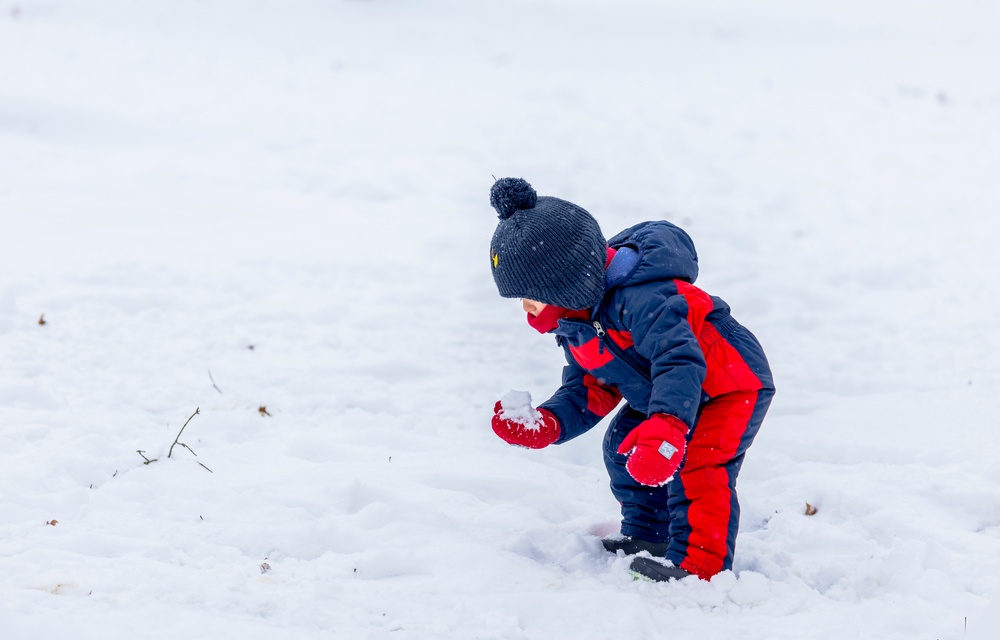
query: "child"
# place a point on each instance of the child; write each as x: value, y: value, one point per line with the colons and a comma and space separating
x: 696, y: 383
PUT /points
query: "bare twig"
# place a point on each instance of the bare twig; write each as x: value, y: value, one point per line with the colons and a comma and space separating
x: 213, y: 381
x: 177, y: 441
x: 196, y: 412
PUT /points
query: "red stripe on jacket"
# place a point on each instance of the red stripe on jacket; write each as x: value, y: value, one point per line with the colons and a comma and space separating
x: 726, y: 370
x: 601, y: 398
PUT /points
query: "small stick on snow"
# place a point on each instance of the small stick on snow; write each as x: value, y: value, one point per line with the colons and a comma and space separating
x: 196, y: 412
x: 213, y: 381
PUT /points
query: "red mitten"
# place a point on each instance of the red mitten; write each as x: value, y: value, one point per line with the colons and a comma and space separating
x: 655, y: 449
x: 533, y: 434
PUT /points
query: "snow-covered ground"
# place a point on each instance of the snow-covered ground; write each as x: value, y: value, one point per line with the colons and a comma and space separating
x: 289, y: 201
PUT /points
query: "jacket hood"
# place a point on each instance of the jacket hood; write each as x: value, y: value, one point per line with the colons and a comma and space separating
x: 652, y: 251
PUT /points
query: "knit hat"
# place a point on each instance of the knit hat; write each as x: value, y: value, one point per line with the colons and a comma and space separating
x: 545, y: 249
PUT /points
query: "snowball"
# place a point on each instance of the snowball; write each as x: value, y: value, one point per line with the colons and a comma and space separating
x: 516, y: 407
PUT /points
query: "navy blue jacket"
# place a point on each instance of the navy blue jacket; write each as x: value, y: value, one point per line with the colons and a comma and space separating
x: 654, y: 339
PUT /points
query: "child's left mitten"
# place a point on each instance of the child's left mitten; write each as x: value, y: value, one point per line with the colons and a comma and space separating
x: 536, y: 432
x: 655, y: 449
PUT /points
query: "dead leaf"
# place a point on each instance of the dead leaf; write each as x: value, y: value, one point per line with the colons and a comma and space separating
x: 810, y: 510
x: 41, y: 320
x: 263, y: 410
x: 265, y: 567
x: 52, y: 523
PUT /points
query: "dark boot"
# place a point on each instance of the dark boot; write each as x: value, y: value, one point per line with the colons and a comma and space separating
x: 632, y: 546
x: 656, y: 571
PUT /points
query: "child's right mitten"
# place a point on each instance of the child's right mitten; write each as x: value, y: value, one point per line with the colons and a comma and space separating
x: 535, y: 432
x: 655, y: 449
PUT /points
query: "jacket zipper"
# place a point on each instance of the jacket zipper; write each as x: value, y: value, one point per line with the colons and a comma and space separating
x: 618, y: 352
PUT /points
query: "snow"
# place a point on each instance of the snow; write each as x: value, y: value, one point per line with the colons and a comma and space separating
x: 289, y: 201
x: 516, y: 406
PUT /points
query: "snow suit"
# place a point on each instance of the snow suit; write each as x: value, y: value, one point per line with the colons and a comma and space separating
x: 667, y: 347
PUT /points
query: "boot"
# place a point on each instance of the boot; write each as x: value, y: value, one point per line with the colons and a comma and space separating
x: 655, y: 570
x: 632, y: 546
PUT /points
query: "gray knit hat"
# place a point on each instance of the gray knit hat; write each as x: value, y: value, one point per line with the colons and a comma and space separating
x: 545, y: 249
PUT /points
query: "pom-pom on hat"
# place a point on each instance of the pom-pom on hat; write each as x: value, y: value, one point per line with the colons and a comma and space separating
x: 544, y: 248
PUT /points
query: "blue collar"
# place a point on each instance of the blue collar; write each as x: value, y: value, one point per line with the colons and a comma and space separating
x: 622, y: 266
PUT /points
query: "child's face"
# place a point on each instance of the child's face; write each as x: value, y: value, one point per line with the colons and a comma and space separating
x: 532, y: 306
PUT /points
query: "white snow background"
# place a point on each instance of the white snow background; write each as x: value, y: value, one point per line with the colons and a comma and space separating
x: 293, y: 196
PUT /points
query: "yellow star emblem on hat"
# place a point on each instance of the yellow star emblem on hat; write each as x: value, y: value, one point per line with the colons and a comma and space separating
x: 496, y: 260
